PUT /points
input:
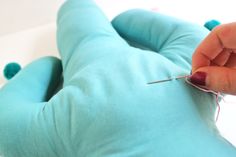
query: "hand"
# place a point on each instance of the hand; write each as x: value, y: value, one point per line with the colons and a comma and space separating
x: 214, y: 60
x: 105, y: 107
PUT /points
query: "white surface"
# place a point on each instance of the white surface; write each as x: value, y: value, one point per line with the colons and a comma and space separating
x: 24, y: 14
x: 227, y: 117
x: 24, y: 45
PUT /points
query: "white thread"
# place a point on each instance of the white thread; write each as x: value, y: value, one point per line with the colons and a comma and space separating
x: 217, y: 94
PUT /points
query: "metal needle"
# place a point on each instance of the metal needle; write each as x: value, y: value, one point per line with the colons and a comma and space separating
x: 159, y: 81
x: 169, y: 79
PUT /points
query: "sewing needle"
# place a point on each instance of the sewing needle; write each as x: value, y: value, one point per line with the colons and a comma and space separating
x: 169, y: 79
x: 159, y: 81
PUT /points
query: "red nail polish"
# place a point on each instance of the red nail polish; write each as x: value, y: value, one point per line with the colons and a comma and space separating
x: 199, y: 78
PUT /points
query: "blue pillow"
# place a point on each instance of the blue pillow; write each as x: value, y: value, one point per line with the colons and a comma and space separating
x: 105, y: 107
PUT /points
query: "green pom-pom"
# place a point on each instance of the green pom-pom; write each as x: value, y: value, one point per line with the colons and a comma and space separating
x: 11, y: 69
x: 211, y: 24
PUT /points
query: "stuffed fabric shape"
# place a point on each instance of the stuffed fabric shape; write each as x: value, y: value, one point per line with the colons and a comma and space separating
x: 105, y: 107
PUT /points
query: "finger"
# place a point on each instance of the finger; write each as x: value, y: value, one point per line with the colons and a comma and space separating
x: 216, y: 78
x: 34, y: 83
x: 171, y: 37
x: 222, y: 58
x: 223, y: 36
x: 84, y: 34
x: 231, y: 61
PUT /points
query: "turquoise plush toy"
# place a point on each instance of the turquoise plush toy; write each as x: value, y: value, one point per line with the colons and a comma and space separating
x: 105, y: 107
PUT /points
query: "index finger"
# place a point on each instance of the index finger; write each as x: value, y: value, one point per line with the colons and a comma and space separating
x: 223, y: 36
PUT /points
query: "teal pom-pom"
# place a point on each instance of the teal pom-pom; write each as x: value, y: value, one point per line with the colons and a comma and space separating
x: 211, y: 24
x: 11, y: 69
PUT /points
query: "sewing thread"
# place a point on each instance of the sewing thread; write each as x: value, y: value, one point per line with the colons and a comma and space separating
x: 217, y: 94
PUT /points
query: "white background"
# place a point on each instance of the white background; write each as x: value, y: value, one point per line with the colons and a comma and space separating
x: 27, y: 32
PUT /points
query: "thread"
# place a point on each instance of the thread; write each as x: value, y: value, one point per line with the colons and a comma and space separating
x: 218, y: 106
x: 217, y: 95
x: 187, y: 77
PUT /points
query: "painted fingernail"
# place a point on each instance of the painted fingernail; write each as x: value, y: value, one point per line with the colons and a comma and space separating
x: 199, y: 78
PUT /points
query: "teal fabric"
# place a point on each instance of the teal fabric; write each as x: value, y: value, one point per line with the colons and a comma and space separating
x: 105, y: 107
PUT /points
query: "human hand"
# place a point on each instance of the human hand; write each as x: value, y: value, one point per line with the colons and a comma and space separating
x: 106, y: 108
x: 214, y: 61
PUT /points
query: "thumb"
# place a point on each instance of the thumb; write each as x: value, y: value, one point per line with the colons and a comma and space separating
x: 34, y: 83
x: 220, y: 79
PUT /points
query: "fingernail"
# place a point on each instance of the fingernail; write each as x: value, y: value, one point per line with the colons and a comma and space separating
x: 199, y: 78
